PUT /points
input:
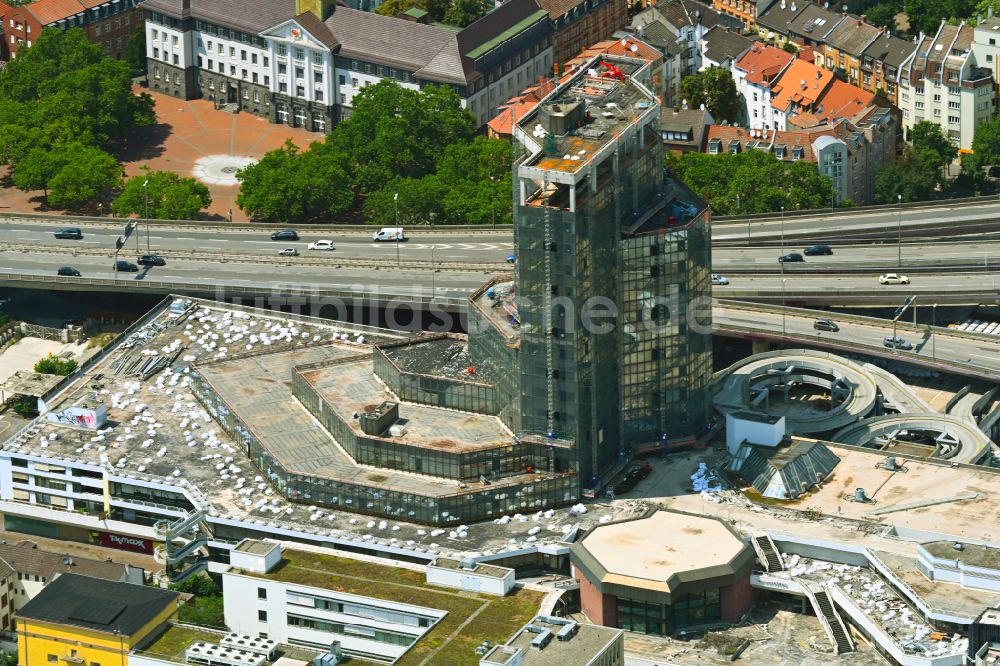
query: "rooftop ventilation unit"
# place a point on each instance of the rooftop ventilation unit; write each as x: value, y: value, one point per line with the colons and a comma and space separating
x: 891, y: 465
x: 542, y: 639
x: 860, y: 497
x: 375, y: 420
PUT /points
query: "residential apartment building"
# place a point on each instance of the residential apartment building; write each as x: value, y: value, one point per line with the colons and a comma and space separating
x: 799, y: 93
x: 755, y: 75
x: 880, y: 65
x: 683, y: 129
x: 743, y: 11
x: 797, y: 21
x: 300, y: 63
x: 576, y: 24
x: 25, y: 570
x: 984, y: 45
x: 687, y: 22
x: 943, y: 82
x: 849, y: 152
x: 721, y: 47
x: 83, y: 620
x: 107, y: 23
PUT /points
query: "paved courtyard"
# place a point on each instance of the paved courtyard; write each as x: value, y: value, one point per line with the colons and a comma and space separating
x: 195, y: 140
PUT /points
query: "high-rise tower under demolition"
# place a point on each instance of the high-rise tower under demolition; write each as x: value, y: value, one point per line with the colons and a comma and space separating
x: 604, y: 344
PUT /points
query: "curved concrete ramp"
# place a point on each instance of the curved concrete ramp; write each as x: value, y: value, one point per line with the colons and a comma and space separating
x: 741, y: 386
x: 955, y: 438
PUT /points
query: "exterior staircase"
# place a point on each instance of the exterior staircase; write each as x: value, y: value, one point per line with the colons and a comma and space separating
x: 831, y: 621
x: 768, y: 553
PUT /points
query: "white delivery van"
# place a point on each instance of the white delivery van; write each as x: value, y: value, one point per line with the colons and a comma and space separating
x: 389, y: 234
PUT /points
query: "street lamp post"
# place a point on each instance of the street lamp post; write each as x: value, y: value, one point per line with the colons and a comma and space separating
x: 145, y: 198
x: 493, y: 203
x: 899, y: 231
x: 433, y: 287
x: 782, y: 231
x: 395, y: 203
x: 933, y: 333
x: 783, y: 281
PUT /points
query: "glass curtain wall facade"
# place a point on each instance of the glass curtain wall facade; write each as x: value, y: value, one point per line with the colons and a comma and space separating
x: 435, y: 391
x: 375, y: 498
x: 613, y: 285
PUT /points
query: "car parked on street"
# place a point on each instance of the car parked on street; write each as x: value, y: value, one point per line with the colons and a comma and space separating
x: 288, y: 252
x: 72, y: 233
x: 321, y: 245
x: 151, y: 260
x: 897, y: 343
x: 893, y: 278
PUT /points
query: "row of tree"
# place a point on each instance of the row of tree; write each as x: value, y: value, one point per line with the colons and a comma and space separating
x: 459, y: 13
x: 402, y: 154
x: 752, y: 182
x: 66, y: 108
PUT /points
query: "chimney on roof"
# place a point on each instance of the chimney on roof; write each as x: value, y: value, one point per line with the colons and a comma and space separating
x: 819, y: 74
x: 321, y: 8
x: 803, y: 84
x: 864, y: 18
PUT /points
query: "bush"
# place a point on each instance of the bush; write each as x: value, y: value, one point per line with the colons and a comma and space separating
x: 51, y: 365
x: 206, y: 608
x: 25, y: 407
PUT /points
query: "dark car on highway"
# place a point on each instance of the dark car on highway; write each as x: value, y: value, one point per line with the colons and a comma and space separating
x: 790, y: 258
x: 72, y: 233
x: 285, y: 234
x: 123, y: 266
x: 68, y: 271
x: 151, y: 260
x: 818, y: 250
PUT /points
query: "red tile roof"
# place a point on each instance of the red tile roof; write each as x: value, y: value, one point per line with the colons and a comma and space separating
x: 763, y: 63
x: 842, y: 100
x: 798, y: 139
x: 802, y: 83
x: 49, y: 11
x: 806, y: 53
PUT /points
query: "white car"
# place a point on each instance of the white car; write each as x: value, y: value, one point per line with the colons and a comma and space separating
x: 321, y: 245
x: 719, y: 280
x: 893, y: 278
x: 288, y: 252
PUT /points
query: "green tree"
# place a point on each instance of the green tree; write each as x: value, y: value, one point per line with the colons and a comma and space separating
x: 287, y: 185
x: 419, y: 201
x: 67, y: 87
x: 164, y: 194
x: 931, y: 145
x: 909, y: 177
x: 714, y: 88
x: 789, y: 47
x: 135, y: 52
x: 478, y: 176
x: 393, y: 7
x: 926, y: 15
x: 463, y: 12
x: 38, y: 167
x: 53, y: 365
x: 395, y: 132
x: 752, y: 182
x: 985, y: 149
x: 90, y: 175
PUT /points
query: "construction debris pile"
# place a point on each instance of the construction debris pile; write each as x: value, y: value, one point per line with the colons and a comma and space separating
x: 874, y: 597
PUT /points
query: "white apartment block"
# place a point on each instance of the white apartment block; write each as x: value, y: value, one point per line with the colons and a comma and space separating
x: 301, y: 62
x: 944, y: 82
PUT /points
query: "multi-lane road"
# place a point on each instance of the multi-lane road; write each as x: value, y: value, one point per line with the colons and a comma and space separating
x: 482, y: 248
x: 948, y: 349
